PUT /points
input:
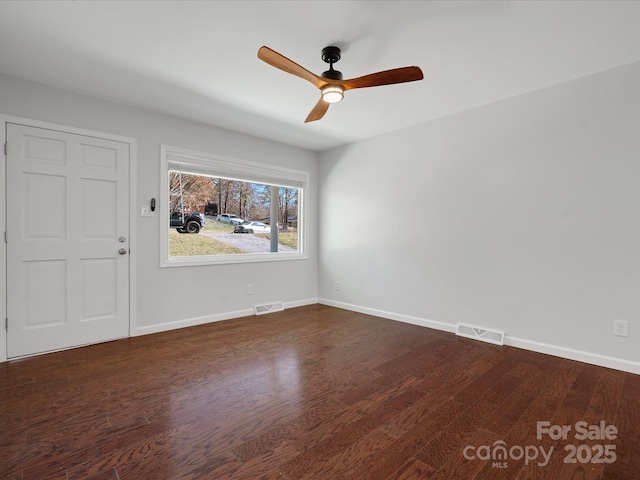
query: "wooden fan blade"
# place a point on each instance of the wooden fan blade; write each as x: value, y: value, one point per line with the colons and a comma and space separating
x: 281, y: 62
x: 318, y: 111
x: 386, y: 77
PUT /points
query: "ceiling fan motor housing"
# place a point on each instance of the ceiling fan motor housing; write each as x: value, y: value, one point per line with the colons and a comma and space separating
x: 331, y: 55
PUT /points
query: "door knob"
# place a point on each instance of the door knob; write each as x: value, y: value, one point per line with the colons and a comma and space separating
x: 122, y: 251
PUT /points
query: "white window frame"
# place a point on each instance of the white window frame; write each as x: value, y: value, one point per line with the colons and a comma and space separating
x: 202, y: 163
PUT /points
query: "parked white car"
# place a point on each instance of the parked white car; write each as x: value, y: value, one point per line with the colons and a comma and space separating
x: 252, y: 227
x: 229, y: 218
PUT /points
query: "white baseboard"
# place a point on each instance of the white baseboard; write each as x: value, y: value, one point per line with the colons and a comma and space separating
x: 447, y: 327
x: 190, y: 322
x: 194, y: 321
x: 571, y: 354
x: 300, y: 303
x: 555, y: 350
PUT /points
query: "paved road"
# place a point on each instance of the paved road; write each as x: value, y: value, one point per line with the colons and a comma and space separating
x: 246, y: 242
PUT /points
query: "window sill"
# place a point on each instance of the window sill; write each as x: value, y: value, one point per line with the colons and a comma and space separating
x: 231, y: 259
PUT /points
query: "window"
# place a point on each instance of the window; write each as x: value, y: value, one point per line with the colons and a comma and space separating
x: 222, y: 210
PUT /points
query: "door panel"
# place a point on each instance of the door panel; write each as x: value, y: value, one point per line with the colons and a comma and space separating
x: 50, y: 309
x: 39, y: 191
x: 99, y: 220
x: 99, y: 291
x: 67, y: 214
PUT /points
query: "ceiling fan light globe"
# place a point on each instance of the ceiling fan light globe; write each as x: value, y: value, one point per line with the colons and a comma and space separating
x: 332, y: 93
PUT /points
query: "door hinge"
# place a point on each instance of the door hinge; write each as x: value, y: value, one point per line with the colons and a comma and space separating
x: 5, y: 237
x: 5, y: 148
x: 6, y: 324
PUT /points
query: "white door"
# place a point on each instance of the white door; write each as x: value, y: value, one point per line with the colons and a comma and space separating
x: 67, y: 240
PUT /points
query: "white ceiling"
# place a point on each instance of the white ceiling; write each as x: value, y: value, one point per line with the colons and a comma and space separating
x: 198, y: 59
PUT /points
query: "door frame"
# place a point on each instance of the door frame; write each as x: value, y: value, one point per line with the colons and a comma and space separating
x: 133, y: 202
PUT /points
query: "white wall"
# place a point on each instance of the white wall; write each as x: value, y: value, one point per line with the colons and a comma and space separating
x: 172, y: 297
x: 523, y: 216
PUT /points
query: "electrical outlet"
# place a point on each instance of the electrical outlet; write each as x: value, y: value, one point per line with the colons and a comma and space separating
x: 336, y: 285
x: 621, y: 328
x: 250, y: 289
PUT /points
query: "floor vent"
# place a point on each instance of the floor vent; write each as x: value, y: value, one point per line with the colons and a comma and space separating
x: 269, y: 307
x: 482, y: 334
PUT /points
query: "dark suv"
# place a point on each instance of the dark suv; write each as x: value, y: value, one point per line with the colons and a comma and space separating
x: 184, y: 223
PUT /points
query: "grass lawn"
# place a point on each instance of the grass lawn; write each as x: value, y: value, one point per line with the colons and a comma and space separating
x: 217, y: 227
x: 186, y: 245
x: 290, y: 239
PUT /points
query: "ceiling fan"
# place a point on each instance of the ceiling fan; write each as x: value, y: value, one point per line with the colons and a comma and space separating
x: 330, y: 83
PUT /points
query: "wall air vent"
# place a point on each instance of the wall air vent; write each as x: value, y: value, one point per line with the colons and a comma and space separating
x: 269, y: 307
x: 482, y: 334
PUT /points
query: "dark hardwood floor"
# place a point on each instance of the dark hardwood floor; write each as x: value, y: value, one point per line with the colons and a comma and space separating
x: 313, y: 393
